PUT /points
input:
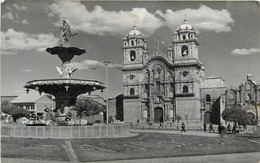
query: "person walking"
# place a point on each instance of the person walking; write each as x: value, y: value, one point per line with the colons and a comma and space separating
x: 205, y: 127
x: 211, y: 127
x: 229, y: 128
x: 183, y: 127
x: 219, y: 128
x: 234, y: 128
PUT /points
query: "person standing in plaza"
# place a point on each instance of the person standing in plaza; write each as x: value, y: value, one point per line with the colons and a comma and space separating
x: 229, y: 128
x: 234, y: 128
x: 183, y: 127
x: 211, y: 127
x: 205, y: 127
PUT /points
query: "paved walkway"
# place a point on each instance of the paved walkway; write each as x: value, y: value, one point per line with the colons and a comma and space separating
x: 196, y: 133
x: 253, y: 157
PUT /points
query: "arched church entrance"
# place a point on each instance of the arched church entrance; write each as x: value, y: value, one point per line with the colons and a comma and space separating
x: 158, y: 115
x: 207, y: 116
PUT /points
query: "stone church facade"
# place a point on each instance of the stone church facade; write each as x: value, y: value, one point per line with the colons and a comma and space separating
x: 160, y: 87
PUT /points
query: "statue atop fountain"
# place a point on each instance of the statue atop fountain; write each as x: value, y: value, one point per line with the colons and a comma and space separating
x: 65, y: 33
x: 64, y: 52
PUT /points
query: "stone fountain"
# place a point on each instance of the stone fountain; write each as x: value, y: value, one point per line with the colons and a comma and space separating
x: 65, y: 89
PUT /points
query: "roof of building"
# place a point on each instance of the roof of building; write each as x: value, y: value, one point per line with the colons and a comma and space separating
x: 29, y: 98
x: 134, y: 31
x: 7, y: 98
x: 185, y: 26
x: 213, y: 82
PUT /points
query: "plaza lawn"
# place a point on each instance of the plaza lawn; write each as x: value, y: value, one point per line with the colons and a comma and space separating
x: 38, y: 149
x: 145, y: 145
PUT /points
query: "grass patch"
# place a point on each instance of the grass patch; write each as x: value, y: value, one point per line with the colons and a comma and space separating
x: 145, y: 145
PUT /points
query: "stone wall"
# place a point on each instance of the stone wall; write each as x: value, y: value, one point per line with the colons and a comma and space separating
x: 65, y: 132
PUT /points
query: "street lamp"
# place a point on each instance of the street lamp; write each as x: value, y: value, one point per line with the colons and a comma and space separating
x: 106, y: 64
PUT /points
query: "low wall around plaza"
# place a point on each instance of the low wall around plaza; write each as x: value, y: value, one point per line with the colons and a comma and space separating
x: 66, y: 132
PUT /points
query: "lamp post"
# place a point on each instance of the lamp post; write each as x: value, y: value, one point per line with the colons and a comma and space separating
x: 106, y: 64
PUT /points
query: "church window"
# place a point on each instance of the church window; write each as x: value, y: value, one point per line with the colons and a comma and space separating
x: 132, y: 55
x: 191, y: 36
x: 132, y: 91
x: 231, y: 97
x: 184, y: 51
x: 248, y: 87
x: 132, y: 42
x: 158, y: 87
x: 183, y: 37
x: 185, y: 73
x: 249, y: 97
x: 131, y: 77
x: 208, y: 99
x: 185, y: 89
x: 138, y: 42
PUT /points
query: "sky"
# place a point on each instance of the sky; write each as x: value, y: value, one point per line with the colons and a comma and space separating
x: 228, y: 33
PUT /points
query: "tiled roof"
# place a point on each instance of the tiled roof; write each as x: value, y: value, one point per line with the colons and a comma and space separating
x: 30, y: 98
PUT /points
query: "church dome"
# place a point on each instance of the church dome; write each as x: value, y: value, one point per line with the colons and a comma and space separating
x: 185, y: 26
x: 134, y: 31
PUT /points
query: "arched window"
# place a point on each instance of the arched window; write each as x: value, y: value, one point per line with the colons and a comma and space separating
x: 132, y: 91
x: 208, y: 99
x: 132, y: 55
x: 158, y: 89
x: 249, y: 97
x: 183, y: 37
x: 184, y: 51
x: 185, y: 89
x: 132, y: 43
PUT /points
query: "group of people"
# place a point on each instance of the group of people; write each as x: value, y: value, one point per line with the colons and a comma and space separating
x: 210, y: 127
x: 221, y: 128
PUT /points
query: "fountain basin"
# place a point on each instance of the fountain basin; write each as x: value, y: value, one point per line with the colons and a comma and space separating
x: 65, y: 91
x: 66, y: 132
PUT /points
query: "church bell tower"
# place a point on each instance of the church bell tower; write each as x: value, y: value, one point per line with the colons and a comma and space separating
x: 135, y: 55
x: 187, y: 72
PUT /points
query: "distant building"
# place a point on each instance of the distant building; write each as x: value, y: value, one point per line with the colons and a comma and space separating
x: 246, y: 95
x: 115, y: 107
x: 212, y: 98
x: 7, y: 98
x: 34, y: 103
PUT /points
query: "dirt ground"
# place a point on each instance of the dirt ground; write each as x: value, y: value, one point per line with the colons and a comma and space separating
x: 145, y: 145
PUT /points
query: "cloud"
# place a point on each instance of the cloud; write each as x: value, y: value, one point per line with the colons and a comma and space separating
x: 204, y: 19
x: 8, y: 16
x: 25, y: 70
x: 103, y: 22
x: 15, y: 19
x: 86, y: 64
x: 13, y: 41
x: 19, y: 8
x: 245, y: 51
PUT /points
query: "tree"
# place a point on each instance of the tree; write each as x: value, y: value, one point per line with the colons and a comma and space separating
x: 87, y: 106
x: 236, y: 114
x: 14, y: 111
